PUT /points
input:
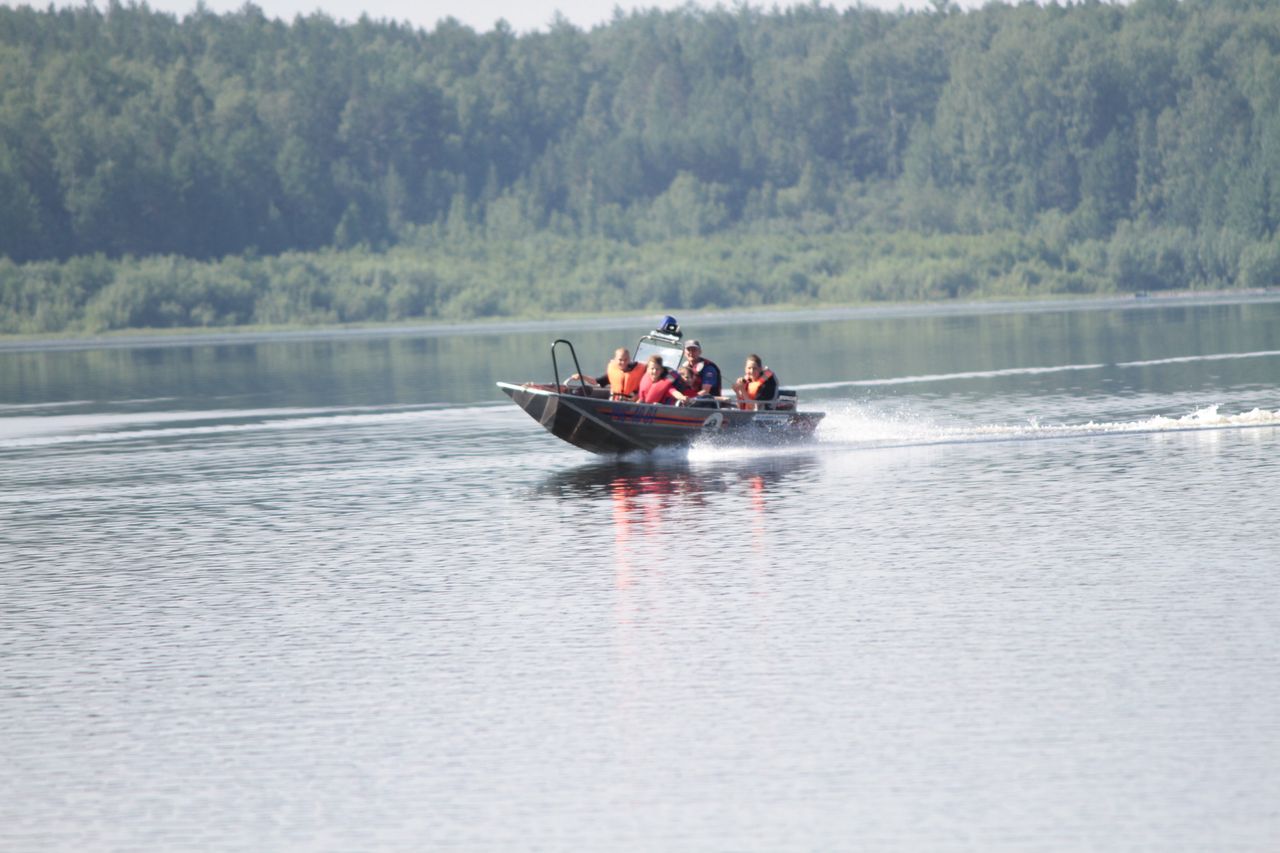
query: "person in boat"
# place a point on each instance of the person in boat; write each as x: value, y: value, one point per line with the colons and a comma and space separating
x: 688, y: 378
x: 621, y: 376
x: 661, y: 385
x: 758, y: 384
x: 706, y: 373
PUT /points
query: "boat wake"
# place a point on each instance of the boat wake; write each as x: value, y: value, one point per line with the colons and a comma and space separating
x: 859, y: 427
x: 855, y: 427
x: 863, y: 425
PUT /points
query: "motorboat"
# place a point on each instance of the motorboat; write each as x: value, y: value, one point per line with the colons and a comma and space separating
x: 590, y: 417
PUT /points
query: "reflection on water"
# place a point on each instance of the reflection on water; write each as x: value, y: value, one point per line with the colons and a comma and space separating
x: 671, y: 477
x: 658, y: 508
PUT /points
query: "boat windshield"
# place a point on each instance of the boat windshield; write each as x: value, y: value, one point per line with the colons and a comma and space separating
x: 669, y: 349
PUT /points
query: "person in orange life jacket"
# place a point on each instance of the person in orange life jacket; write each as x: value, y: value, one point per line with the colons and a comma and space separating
x: 621, y: 375
x: 706, y: 373
x: 660, y: 385
x: 756, y: 384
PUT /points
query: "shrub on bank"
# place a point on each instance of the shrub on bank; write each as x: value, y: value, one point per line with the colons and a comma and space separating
x: 545, y: 274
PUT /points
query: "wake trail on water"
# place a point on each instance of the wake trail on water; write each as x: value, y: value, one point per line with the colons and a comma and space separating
x: 862, y: 428
x: 1025, y: 371
x: 855, y: 427
x: 99, y: 427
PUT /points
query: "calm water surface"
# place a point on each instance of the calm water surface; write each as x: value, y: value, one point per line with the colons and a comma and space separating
x: 338, y: 594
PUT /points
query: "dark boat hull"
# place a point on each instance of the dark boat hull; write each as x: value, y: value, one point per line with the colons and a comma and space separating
x: 610, y: 427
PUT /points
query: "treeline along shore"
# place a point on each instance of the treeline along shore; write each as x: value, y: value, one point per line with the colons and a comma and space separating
x: 220, y: 170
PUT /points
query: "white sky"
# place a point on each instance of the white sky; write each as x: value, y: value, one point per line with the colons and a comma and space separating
x: 522, y: 15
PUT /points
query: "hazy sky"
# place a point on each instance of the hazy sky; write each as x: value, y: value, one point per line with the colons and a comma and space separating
x: 522, y: 15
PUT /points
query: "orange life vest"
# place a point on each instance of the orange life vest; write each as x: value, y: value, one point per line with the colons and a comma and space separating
x: 625, y: 383
x: 753, y: 388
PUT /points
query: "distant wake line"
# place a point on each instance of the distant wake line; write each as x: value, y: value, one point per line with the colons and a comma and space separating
x: 1185, y: 358
x: 22, y: 432
x: 944, y: 377
x: 1026, y: 371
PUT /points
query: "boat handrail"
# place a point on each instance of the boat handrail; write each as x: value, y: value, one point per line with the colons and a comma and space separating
x: 555, y: 368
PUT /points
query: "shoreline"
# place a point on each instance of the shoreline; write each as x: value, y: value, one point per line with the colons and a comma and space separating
x: 144, y: 338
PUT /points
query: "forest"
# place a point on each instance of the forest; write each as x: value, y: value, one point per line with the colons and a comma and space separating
x: 233, y: 169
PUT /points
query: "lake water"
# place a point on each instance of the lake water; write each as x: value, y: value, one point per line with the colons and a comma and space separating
x: 337, y: 593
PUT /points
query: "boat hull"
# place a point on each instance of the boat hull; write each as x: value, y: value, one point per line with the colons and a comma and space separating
x: 610, y: 427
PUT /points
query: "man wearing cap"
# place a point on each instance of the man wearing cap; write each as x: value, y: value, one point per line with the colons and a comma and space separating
x: 706, y: 374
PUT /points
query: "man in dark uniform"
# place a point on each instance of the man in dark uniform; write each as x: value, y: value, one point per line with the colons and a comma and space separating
x: 706, y: 374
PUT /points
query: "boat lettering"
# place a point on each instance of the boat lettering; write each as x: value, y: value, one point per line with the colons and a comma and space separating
x: 633, y: 416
